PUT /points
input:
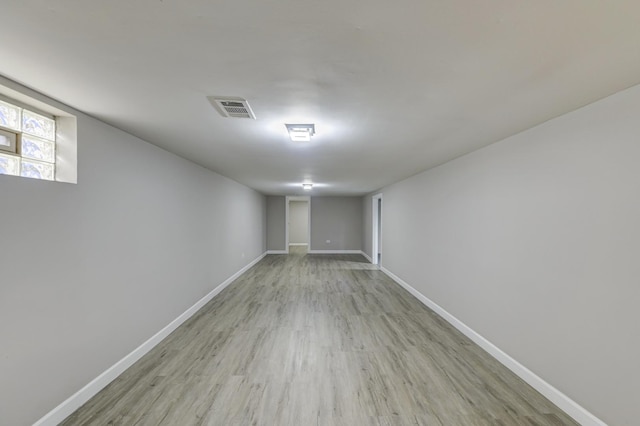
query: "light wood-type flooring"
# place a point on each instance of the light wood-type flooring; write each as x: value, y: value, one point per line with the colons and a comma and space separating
x: 317, y: 340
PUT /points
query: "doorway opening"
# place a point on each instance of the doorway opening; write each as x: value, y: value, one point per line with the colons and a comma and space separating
x: 376, y: 228
x: 298, y: 220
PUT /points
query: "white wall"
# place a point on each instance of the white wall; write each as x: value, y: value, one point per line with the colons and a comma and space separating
x: 534, y: 242
x: 90, y: 271
x: 298, y: 222
x: 337, y: 219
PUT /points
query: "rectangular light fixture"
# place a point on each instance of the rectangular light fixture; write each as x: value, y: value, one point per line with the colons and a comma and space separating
x: 301, y: 132
x: 307, y: 186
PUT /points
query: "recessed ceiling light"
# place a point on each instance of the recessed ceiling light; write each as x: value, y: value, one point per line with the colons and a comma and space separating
x: 301, y: 132
x: 307, y: 186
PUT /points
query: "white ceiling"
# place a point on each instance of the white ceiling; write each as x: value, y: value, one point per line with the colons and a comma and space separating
x: 394, y: 87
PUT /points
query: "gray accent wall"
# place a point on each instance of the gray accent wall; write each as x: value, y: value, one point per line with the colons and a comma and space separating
x: 276, y: 223
x: 534, y: 243
x: 337, y: 219
x: 298, y: 222
x: 91, y: 271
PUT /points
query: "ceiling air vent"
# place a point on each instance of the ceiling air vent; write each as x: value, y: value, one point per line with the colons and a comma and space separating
x: 232, y: 107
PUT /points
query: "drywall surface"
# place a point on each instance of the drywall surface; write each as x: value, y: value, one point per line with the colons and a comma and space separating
x: 367, y: 212
x: 534, y: 243
x: 337, y: 219
x: 276, y: 223
x: 91, y: 271
x: 298, y: 222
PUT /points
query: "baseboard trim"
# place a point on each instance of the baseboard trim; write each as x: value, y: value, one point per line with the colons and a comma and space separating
x: 75, y: 401
x: 562, y: 401
x: 334, y: 252
x: 366, y: 256
x: 298, y: 244
x: 277, y: 252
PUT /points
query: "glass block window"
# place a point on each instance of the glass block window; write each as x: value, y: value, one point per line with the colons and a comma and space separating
x: 36, y: 169
x: 27, y: 142
x: 8, y: 141
x: 38, y: 125
x: 9, y: 165
x: 9, y: 116
x: 38, y: 149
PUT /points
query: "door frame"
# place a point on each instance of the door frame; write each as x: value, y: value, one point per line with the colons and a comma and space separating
x: 289, y: 198
x: 376, y: 222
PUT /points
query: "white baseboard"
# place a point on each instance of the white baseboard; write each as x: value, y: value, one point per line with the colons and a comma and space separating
x: 298, y: 244
x: 75, y: 401
x: 366, y: 256
x: 562, y: 401
x: 334, y: 252
x: 321, y: 251
x: 277, y: 252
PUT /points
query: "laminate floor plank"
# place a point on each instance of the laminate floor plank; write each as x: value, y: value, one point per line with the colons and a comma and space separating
x: 317, y: 340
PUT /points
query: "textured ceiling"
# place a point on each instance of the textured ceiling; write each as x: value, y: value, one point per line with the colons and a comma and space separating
x: 394, y: 88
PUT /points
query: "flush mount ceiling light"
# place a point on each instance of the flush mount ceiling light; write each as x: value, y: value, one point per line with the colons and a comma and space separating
x: 301, y: 132
x: 307, y: 186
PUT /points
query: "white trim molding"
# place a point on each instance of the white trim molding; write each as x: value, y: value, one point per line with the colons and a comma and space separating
x: 562, y: 401
x: 288, y: 199
x: 277, y: 252
x: 375, y: 227
x: 75, y: 401
x: 298, y: 244
x: 366, y: 256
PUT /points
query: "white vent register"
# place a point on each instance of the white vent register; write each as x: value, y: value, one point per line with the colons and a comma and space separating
x: 232, y: 107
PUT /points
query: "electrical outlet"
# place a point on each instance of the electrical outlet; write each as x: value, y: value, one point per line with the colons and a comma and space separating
x: 328, y: 241
x: 243, y: 255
